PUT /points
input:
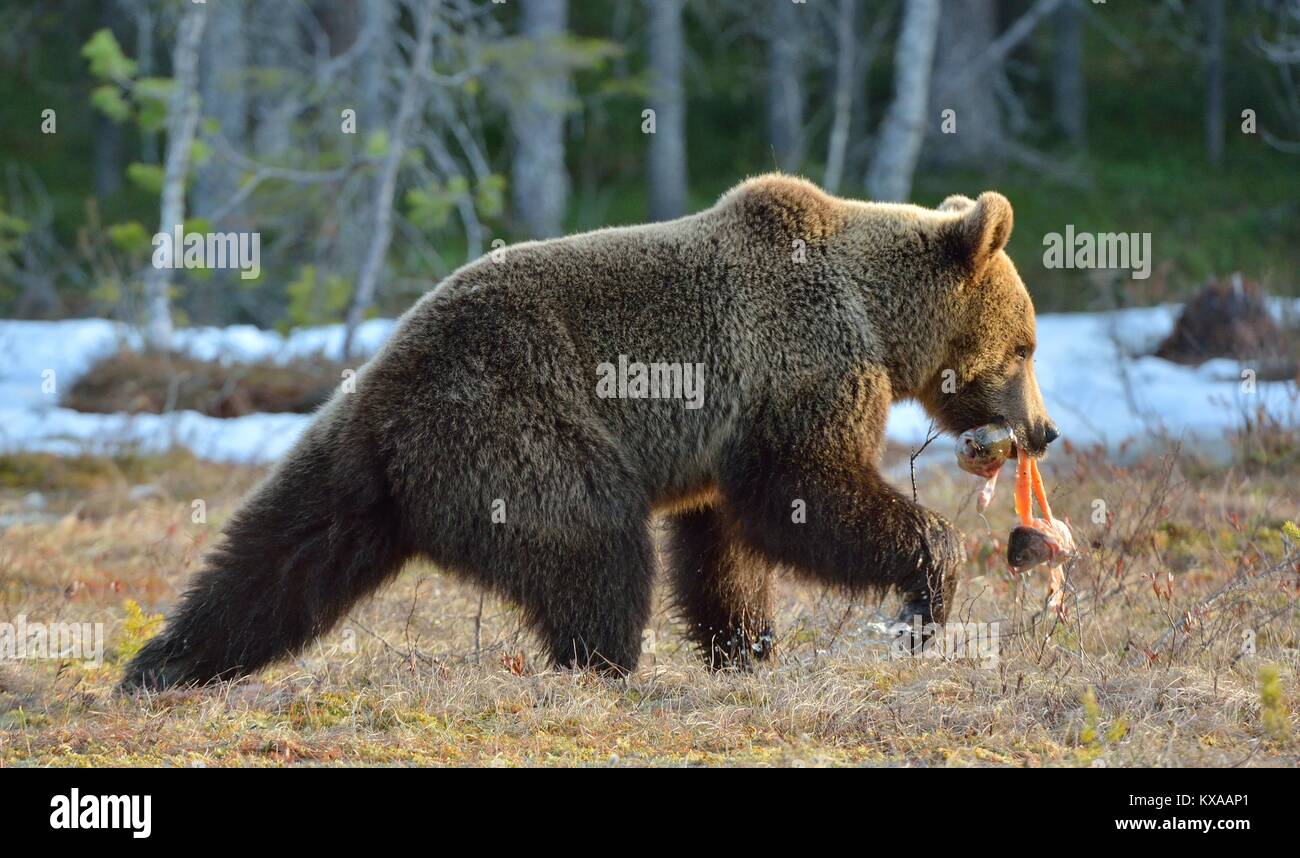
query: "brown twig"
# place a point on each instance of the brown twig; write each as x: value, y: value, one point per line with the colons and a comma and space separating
x: 911, y: 462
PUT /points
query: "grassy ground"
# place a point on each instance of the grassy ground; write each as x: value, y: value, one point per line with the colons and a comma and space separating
x: 1153, y: 665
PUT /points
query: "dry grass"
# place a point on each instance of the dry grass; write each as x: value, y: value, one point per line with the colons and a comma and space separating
x: 1149, y: 668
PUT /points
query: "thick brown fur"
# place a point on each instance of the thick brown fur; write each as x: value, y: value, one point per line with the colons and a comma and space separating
x: 810, y: 315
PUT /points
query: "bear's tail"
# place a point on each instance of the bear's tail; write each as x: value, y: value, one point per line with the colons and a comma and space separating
x: 320, y: 532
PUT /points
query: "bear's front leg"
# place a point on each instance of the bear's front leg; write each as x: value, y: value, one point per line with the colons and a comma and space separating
x: 722, y: 591
x: 806, y: 491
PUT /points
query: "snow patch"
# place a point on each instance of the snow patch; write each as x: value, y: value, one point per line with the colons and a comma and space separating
x: 1094, y: 388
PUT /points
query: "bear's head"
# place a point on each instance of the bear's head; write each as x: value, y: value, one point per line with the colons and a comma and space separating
x: 987, y: 373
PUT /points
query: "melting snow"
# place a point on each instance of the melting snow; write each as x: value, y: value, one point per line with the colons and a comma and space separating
x: 1094, y: 389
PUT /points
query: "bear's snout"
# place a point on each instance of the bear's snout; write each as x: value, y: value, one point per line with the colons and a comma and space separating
x: 1040, y: 435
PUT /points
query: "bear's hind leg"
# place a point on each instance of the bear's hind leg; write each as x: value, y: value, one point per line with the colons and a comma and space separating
x: 589, y: 600
x: 722, y: 591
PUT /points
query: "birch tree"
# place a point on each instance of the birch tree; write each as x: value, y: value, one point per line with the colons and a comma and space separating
x: 845, y: 79
x: 414, y: 92
x: 965, y: 83
x: 221, y: 88
x: 667, y: 164
x: 277, y: 56
x: 106, y: 154
x: 971, y: 79
x: 898, y: 145
x: 785, y: 35
x: 182, y: 120
x: 1276, y: 39
x: 540, y: 182
x: 1069, y: 97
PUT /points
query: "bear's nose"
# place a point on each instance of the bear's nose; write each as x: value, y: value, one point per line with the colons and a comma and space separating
x: 1051, y: 433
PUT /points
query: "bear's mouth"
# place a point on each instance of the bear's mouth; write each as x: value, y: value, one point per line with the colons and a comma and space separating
x: 1020, y: 436
x: 1020, y: 440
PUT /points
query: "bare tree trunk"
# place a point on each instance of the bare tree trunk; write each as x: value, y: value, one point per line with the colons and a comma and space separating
x: 860, y: 124
x: 1004, y: 44
x: 36, y: 265
x: 374, y: 107
x: 965, y: 81
x: 106, y: 155
x: 222, y: 62
x: 378, y: 19
x: 784, y: 83
x: 182, y: 119
x: 1214, y: 37
x: 342, y: 22
x: 222, y: 90
x: 413, y: 93
x: 667, y: 167
x: 540, y: 187
x: 845, y: 80
x: 1068, y: 93
x: 276, y: 47
x: 144, y: 21
x: 890, y: 175
x: 861, y: 144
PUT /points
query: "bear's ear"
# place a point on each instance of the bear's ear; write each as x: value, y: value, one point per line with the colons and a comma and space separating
x: 982, y: 229
x: 956, y: 203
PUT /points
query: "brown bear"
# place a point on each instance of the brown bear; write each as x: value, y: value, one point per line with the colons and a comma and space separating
x: 731, y: 370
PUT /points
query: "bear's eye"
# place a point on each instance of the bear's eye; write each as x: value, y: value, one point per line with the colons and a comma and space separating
x: 1022, y: 352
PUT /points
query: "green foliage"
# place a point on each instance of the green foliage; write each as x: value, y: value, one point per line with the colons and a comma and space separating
x: 198, y: 224
x: 589, y: 53
x: 1091, y: 717
x: 518, y: 61
x: 149, y: 97
x: 1272, y: 708
x: 130, y: 237
x: 200, y: 153
x: 109, y: 64
x: 12, y: 229
x: 490, y: 196
x: 137, y: 628
x: 152, y: 96
x: 108, y: 100
x: 108, y: 291
x: 377, y: 143
x: 314, y: 300
x: 1143, y: 168
x: 107, y: 61
x: 202, y: 226
x: 147, y: 177
x: 429, y: 207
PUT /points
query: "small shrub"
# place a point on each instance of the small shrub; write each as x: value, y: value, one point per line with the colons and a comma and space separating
x: 1091, y: 717
x: 158, y: 383
x: 1272, y: 708
x: 1230, y: 318
x: 137, y: 629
